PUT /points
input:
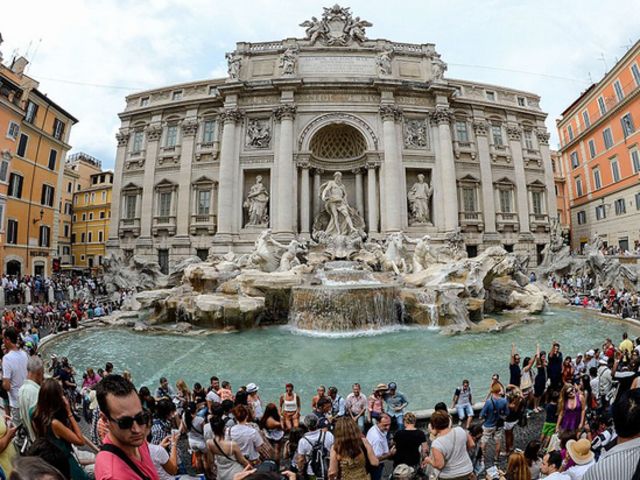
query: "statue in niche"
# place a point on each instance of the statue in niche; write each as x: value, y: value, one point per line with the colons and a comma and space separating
x: 258, y: 134
x: 415, y: 134
x: 256, y: 204
x: 384, y: 62
x: 233, y: 65
x: 334, y: 195
x: 419, y: 199
x: 288, y: 61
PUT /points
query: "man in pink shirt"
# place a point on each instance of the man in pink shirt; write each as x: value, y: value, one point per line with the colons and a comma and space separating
x: 125, y: 453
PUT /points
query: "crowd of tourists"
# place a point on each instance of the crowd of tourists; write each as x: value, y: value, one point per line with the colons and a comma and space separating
x: 57, y: 288
x: 615, y: 250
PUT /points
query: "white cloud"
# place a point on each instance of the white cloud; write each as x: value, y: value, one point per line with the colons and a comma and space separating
x: 136, y: 45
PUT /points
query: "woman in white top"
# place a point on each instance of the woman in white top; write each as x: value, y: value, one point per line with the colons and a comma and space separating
x: 290, y: 408
x: 166, y: 463
x: 449, y: 451
x: 228, y: 457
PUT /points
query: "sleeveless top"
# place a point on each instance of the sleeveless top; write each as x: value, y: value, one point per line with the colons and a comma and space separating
x: 353, y: 468
x: 77, y: 472
x: 227, y: 464
x: 571, y: 417
x: 290, y: 405
x: 526, y: 380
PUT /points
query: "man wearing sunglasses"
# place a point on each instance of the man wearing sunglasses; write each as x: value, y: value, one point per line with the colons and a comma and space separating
x: 125, y: 453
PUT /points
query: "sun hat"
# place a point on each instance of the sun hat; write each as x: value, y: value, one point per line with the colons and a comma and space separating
x: 403, y: 471
x: 590, y: 353
x: 252, y: 388
x: 580, y: 451
x: 381, y: 387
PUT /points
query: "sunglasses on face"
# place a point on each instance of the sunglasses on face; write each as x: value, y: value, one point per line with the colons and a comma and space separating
x: 125, y: 423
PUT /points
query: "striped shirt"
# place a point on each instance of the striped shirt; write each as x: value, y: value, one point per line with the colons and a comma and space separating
x: 619, y: 463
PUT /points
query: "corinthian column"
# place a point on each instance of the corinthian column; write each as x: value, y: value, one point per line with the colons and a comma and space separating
x: 372, y: 199
x: 114, y: 224
x: 304, y: 199
x: 552, y: 201
x: 522, y: 195
x: 154, y: 133
x: 189, y: 130
x: 442, y: 117
x: 480, y: 128
x: 229, y: 120
x: 284, y: 200
x: 392, y: 170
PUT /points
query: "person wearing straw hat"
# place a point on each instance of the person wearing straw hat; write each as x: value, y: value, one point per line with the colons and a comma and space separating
x: 376, y: 402
x: 581, y: 454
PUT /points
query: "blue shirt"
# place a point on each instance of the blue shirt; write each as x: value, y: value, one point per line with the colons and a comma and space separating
x: 492, y: 409
x: 394, y: 401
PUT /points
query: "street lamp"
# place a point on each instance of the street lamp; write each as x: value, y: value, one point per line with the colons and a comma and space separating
x: 36, y: 220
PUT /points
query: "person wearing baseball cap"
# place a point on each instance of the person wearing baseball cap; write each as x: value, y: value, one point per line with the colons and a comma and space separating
x: 396, y: 403
x: 254, y: 402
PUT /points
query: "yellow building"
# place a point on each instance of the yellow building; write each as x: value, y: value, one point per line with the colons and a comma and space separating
x: 39, y: 144
x: 90, y: 223
x: 78, y: 169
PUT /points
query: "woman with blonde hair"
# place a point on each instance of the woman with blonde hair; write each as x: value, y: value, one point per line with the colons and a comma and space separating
x: 184, y: 394
x: 517, y: 468
x: 347, y: 460
x: 572, y: 409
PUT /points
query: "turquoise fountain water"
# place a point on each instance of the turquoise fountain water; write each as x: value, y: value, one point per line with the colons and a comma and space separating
x: 426, y: 365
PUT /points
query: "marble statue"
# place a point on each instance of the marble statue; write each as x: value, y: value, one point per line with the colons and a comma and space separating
x: 289, y: 258
x: 258, y: 134
x: 334, y: 195
x: 454, y: 243
x: 337, y: 27
x: 383, y: 61
x: 393, y: 259
x: 288, y: 61
x: 356, y: 27
x: 265, y: 253
x: 415, y: 134
x: 233, y: 65
x: 314, y: 29
x: 439, y: 67
x: 422, y: 256
x: 419, y: 198
x: 256, y: 204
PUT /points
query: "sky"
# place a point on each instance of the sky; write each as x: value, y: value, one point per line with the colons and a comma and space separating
x: 88, y: 55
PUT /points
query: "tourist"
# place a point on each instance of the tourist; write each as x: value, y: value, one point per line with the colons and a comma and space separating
x: 338, y: 408
x: 347, y: 459
x: 515, y: 410
x: 320, y: 393
x: 28, y: 393
x: 626, y: 345
x: 165, y: 463
x: 532, y: 456
x: 608, y: 349
x: 568, y: 371
x: 228, y: 457
x: 290, y: 408
x: 605, y: 382
x: 476, y: 454
x: 515, y: 372
x: 571, y: 410
x: 213, y: 399
x: 125, y: 453
x: 225, y: 392
x: 163, y: 420
x: 621, y: 461
x: 53, y: 419
x: 396, y: 403
x: 315, y: 439
x: 377, y: 437
x: 527, y: 377
x: 375, y: 402
x: 254, y: 402
x: 580, y: 453
x: 449, y: 451
x: 164, y: 390
x: 495, y: 380
x: 199, y: 396
x: 551, y: 418
x: 246, y: 436
x: 193, y: 424
x: 517, y: 468
x: 148, y: 402
x: 290, y: 449
x: 624, y: 373
x: 493, y: 412
x: 540, y: 381
x: 554, y: 366
x: 323, y: 410
x: 410, y: 443
x: 183, y: 395
x: 463, y: 403
x: 35, y: 468
x: 14, y: 370
x: 551, y: 465
x: 271, y: 425
x: 356, y: 406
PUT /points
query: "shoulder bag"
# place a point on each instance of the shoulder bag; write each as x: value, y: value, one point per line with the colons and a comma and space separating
x: 125, y: 458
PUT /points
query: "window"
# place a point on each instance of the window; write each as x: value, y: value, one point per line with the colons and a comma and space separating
x: 75, y: 218
x: 615, y: 170
x: 585, y: 119
x: 496, y: 133
x: 101, y: 215
x: 469, y: 199
x: 627, y: 125
x: 636, y: 73
x: 66, y: 230
x: 15, y: 185
x: 66, y: 250
x: 207, y: 131
x: 130, y: 207
x: 12, y: 232
x: 204, y: 202
x: 144, y: 101
x: 90, y: 235
x: 4, y: 170
x: 46, y: 196
x: 608, y: 138
x: 2, y: 217
x: 618, y: 88
x: 528, y: 139
x: 32, y: 110
x: 164, y: 204
x: 69, y: 187
x: 597, y: 180
x: 505, y: 200
x: 100, y: 236
x: 13, y: 130
x: 601, y: 213
x: 90, y: 215
x: 93, y: 197
x: 637, y: 201
x: 536, y: 199
x: 172, y: 136
x: 522, y: 102
x: 592, y: 148
x: 22, y: 145
x: 620, y: 206
x: 635, y: 160
x: 582, y: 217
x: 462, y: 135
x: 491, y: 96
x: 67, y: 208
x: 84, y: 217
x: 43, y: 240
x: 570, y: 131
x: 138, y: 138
x: 202, y: 253
x: 602, y: 106
x: 53, y: 157
x: 104, y: 196
x: 86, y: 198
x: 177, y: 95
x: 575, y: 162
x: 58, y: 129
x: 163, y: 260
x: 82, y: 237
x: 579, y: 191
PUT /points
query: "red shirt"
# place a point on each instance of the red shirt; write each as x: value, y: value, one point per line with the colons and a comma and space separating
x: 110, y: 467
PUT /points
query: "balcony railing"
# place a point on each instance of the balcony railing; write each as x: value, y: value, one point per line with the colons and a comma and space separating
x: 203, y: 222
x: 471, y: 219
x: 507, y: 221
x: 464, y: 147
x: 539, y: 221
x: 129, y: 225
x: 164, y: 223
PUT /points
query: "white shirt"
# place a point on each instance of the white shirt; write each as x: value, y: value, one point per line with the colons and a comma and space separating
x: 558, y: 476
x: 213, y: 397
x: 160, y: 457
x: 14, y: 368
x: 248, y: 439
x: 577, y: 471
x: 378, y: 441
x: 305, y: 446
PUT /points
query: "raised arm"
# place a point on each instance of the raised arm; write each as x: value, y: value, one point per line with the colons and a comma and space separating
x: 513, y: 353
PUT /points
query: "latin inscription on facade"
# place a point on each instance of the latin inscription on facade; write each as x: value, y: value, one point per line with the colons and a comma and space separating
x: 345, y: 65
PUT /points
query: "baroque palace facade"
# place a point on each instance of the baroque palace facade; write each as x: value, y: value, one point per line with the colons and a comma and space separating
x: 213, y: 163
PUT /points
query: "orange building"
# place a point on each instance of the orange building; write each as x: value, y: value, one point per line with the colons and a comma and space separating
x: 562, y: 200
x: 600, y: 151
x: 36, y: 168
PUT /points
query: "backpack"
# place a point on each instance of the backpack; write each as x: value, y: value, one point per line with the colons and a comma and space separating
x: 319, y: 458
